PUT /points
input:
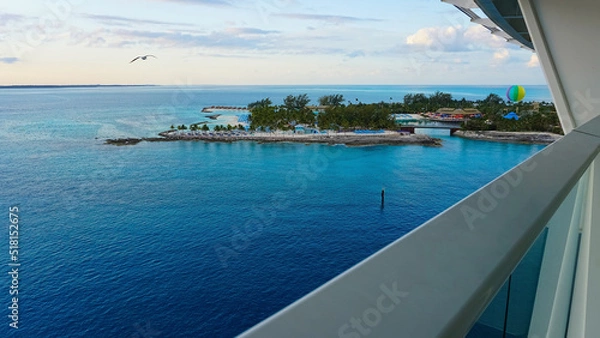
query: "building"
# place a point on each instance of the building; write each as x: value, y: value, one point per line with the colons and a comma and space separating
x: 452, y: 114
x: 519, y: 257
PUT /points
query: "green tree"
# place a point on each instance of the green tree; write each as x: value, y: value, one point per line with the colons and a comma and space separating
x: 493, y: 104
x: 494, y: 99
x: 331, y: 100
x: 260, y: 104
x: 296, y: 102
x: 439, y: 100
x: 265, y: 116
x: 361, y: 116
x: 415, y: 103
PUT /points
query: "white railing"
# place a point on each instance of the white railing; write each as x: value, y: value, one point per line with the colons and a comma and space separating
x: 438, y: 279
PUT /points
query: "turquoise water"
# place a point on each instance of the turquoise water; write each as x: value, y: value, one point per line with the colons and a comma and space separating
x: 193, y: 239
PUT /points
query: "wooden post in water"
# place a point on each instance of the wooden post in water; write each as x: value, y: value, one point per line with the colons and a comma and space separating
x: 382, y: 196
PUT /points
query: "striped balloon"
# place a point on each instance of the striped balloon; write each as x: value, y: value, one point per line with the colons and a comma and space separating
x: 515, y: 93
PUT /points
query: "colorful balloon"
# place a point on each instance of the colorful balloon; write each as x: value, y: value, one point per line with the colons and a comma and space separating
x: 515, y: 93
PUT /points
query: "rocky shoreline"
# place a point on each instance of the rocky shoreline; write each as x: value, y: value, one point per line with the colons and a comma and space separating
x: 349, y: 139
x: 506, y: 136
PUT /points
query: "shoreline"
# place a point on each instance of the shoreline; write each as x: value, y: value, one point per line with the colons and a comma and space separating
x: 218, y: 108
x: 348, y: 139
x: 509, y: 136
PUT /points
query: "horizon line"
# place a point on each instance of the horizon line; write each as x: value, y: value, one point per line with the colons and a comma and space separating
x: 225, y: 85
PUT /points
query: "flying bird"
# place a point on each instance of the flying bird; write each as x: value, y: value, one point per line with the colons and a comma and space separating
x: 142, y: 57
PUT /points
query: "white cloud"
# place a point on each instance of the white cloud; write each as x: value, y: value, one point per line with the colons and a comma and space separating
x: 501, y: 56
x: 479, y: 35
x: 332, y: 19
x: 456, y: 38
x: 437, y: 38
x: 201, y: 2
x: 114, y: 20
x: 533, y: 61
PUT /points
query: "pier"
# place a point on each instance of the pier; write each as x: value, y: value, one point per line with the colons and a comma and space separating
x: 215, y: 108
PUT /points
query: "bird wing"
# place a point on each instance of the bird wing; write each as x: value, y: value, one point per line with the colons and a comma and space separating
x: 152, y: 56
x: 137, y: 57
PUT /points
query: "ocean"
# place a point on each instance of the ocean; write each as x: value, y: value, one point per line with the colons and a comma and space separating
x: 194, y: 239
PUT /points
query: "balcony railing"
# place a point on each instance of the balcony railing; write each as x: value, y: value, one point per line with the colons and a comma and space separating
x: 439, y: 279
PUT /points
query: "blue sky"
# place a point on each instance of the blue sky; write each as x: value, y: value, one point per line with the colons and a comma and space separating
x: 253, y: 42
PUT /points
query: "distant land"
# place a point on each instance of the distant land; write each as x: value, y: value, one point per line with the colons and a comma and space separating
x: 70, y: 86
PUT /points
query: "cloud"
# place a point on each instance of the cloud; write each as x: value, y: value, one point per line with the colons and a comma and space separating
x: 356, y: 53
x: 533, y: 61
x: 459, y: 61
x: 225, y: 56
x: 9, y: 60
x: 249, y: 31
x: 201, y: 2
x: 455, y: 39
x: 448, y: 39
x: 112, y: 20
x: 230, y: 42
x: 331, y: 19
x: 479, y: 35
x: 6, y: 18
x: 428, y: 36
x: 501, y: 56
x: 231, y: 38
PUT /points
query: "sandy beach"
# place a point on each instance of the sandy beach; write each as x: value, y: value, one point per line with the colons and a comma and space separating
x: 228, y: 119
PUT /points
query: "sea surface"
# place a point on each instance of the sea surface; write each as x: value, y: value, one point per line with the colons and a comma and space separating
x: 193, y: 239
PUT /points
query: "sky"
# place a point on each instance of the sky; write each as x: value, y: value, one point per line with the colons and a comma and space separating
x: 253, y: 42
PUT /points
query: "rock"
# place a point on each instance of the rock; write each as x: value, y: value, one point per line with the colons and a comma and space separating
x: 507, y: 136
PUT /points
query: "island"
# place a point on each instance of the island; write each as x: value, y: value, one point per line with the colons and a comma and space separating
x: 332, y: 122
x: 337, y: 121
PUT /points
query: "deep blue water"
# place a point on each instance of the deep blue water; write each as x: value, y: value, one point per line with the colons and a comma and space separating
x: 193, y: 239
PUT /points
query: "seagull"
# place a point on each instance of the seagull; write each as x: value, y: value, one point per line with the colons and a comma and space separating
x: 143, y: 57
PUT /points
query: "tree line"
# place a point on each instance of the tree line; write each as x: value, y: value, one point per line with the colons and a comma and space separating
x: 335, y: 115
